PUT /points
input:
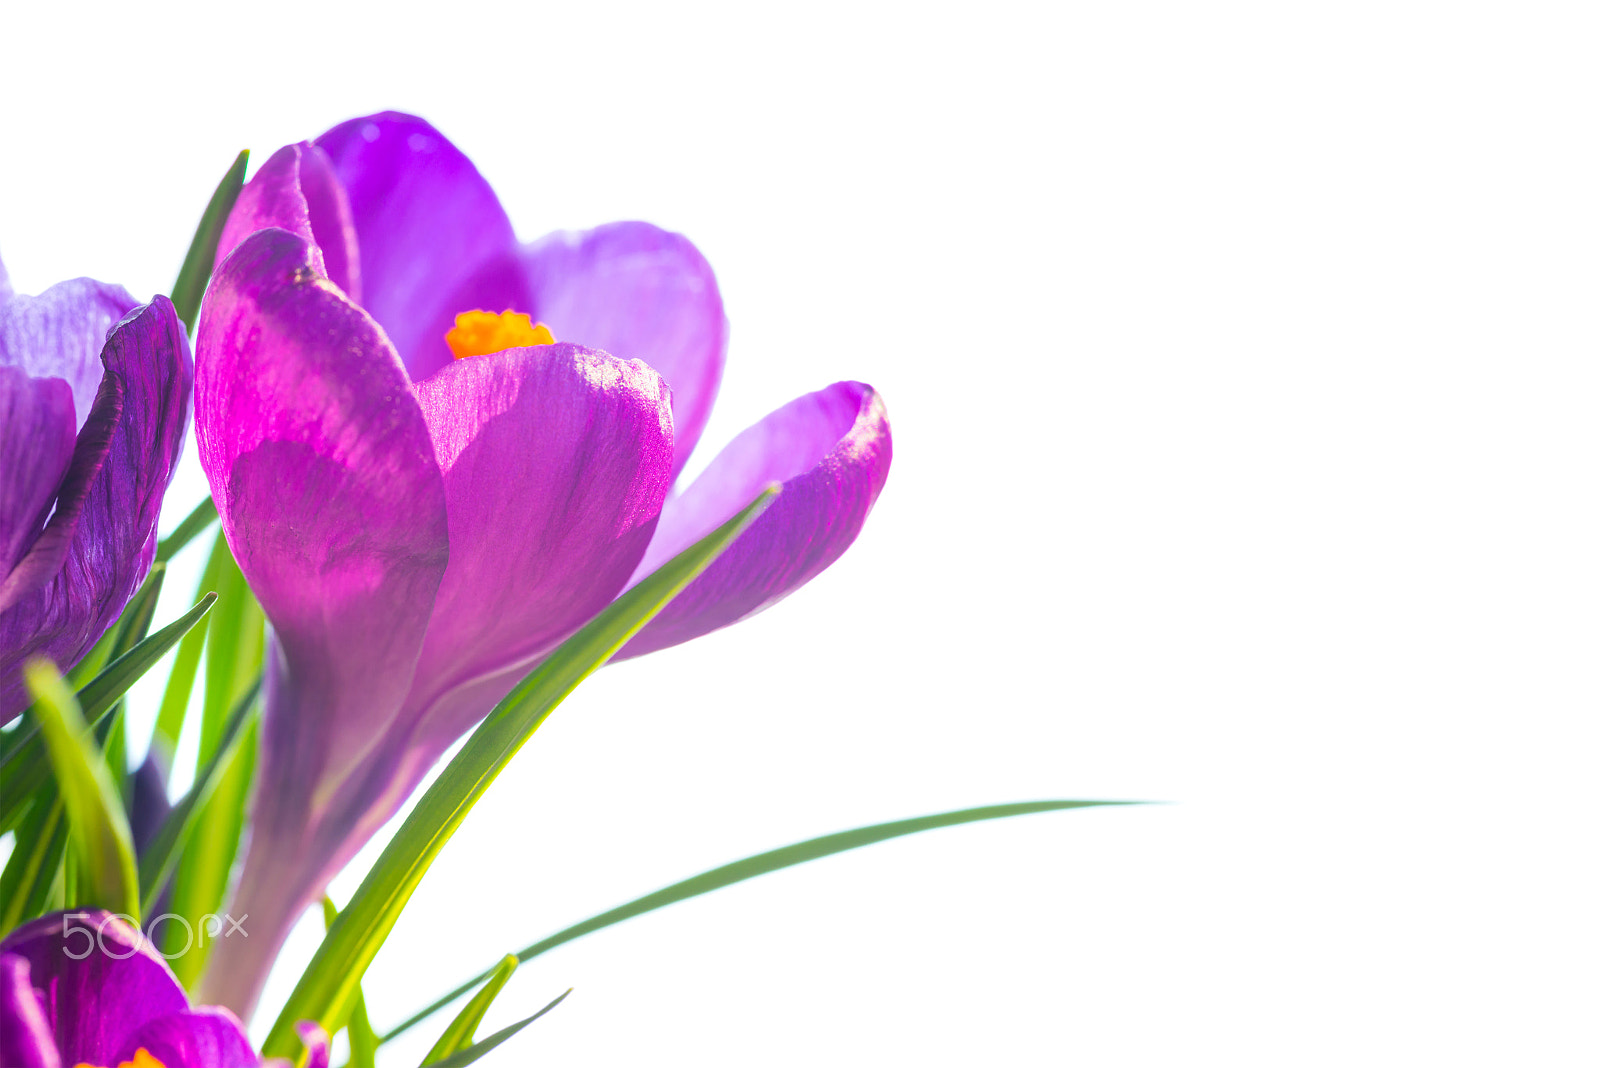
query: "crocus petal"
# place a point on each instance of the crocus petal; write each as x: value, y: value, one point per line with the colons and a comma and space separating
x: 315, y: 1040
x: 296, y: 190
x: 325, y: 478
x: 204, y: 1038
x: 639, y: 292
x: 147, y: 368
x: 36, y: 440
x: 100, y: 981
x: 831, y: 451
x: 556, y: 461
x: 425, y: 220
x: 59, y: 334
x: 25, y: 1038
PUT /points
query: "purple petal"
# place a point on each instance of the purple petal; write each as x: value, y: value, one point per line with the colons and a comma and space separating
x: 96, y: 1003
x: 324, y: 474
x: 831, y: 450
x: 25, y: 1038
x: 296, y: 190
x: 640, y: 293
x: 204, y: 1038
x: 426, y: 221
x: 37, y: 436
x: 556, y: 461
x: 149, y: 373
x: 315, y: 1040
x: 59, y: 334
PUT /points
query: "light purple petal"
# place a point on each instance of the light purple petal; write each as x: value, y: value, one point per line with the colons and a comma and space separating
x: 325, y: 478
x: 831, y: 451
x: 59, y: 334
x: 296, y: 190
x: 556, y: 461
x: 113, y: 542
x: 37, y: 436
x: 426, y: 222
x: 25, y: 1038
x: 94, y: 1004
x: 204, y: 1038
x: 315, y: 1040
x: 641, y: 293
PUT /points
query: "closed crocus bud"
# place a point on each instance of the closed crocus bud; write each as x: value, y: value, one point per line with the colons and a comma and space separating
x: 94, y: 404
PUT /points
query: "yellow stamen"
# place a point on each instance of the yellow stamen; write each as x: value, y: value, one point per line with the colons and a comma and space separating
x: 478, y: 333
x: 141, y: 1059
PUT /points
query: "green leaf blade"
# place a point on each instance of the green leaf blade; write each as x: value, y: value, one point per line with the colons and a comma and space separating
x: 751, y: 867
x: 461, y: 1031
x: 99, y: 826
x: 462, y: 1058
x: 202, y: 256
x: 326, y: 989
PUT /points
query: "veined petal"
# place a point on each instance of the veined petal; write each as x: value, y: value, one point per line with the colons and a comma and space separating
x: 296, y: 190
x: 324, y: 476
x: 25, y: 1037
x: 59, y: 334
x: 210, y: 1037
x: 331, y: 499
x: 425, y: 220
x: 641, y: 293
x: 108, y: 508
x: 36, y: 440
x: 831, y: 450
x: 103, y: 981
x: 556, y: 461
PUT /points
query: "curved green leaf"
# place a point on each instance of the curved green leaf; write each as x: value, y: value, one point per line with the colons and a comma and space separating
x: 749, y: 868
x: 459, y: 1035
x: 202, y: 255
x: 157, y: 860
x: 326, y: 990
x: 24, y: 768
x: 193, y: 525
x: 98, y: 825
x: 462, y: 1058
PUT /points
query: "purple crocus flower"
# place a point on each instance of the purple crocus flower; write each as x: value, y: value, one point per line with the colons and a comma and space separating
x: 87, y: 989
x: 420, y: 529
x: 94, y: 403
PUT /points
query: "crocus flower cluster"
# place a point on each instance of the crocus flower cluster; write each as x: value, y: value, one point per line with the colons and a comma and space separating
x: 86, y: 989
x: 438, y: 452
x: 94, y: 404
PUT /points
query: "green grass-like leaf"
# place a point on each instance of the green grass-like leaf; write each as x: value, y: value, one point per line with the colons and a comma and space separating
x: 202, y: 255
x: 464, y: 1028
x: 363, y: 1040
x: 24, y: 767
x: 235, y: 639
x: 98, y: 825
x: 749, y: 868
x: 194, y: 524
x: 464, y: 1057
x: 326, y: 990
x: 158, y: 859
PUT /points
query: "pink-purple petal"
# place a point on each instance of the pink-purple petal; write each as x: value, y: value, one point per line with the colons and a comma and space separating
x: 98, y: 981
x: 106, y: 516
x: 425, y: 221
x: 556, y: 461
x: 296, y: 190
x: 209, y: 1037
x: 324, y: 474
x: 36, y: 441
x: 639, y: 292
x: 831, y: 450
x: 26, y: 1040
x: 60, y: 332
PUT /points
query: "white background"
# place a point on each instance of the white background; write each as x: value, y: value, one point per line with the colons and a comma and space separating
x: 1242, y: 367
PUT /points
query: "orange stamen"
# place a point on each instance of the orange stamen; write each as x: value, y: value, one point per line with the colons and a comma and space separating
x: 478, y: 333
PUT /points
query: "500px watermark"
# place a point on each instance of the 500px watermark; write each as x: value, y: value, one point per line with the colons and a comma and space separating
x: 210, y: 928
